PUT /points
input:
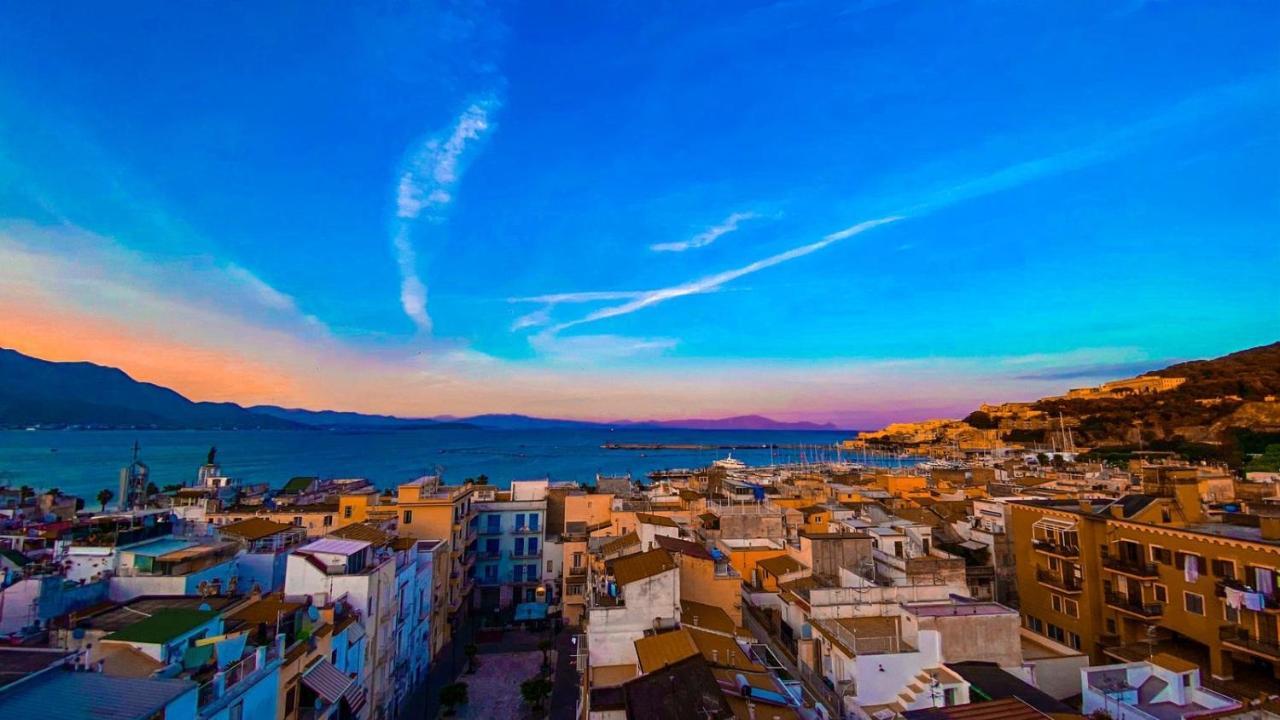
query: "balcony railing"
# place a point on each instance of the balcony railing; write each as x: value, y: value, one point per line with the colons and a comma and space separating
x: 525, y: 554
x: 1134, y: 607
x: 489, y: 530
x: 1238, y: 637
x: 1065, y: 583
x: 1133, y: 568
x: 525, y: 530
x: 1051, y: 548
x: 577, y: 571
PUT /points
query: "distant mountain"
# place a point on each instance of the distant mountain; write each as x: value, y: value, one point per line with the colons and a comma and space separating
x: 36, y: 392
x: 738, y: 422
x: 339, y: 419
x: 39, y: 392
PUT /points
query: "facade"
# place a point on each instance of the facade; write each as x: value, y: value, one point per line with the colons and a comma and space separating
x: 1119, y: 578
x: 426, y: 508
x: 511, y: 532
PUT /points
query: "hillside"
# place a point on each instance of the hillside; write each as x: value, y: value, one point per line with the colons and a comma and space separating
x: 39, y: 392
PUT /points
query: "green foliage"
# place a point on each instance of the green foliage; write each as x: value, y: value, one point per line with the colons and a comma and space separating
x: 453, y: 695
x: 1268, y: 461
x: 104, y: 497
x: 535, y: 690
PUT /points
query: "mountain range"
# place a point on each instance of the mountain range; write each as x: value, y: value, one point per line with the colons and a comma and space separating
x: 42, y: 393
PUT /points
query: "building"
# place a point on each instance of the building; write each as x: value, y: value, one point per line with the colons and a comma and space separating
x: 265, y: 546
x: 1163, y: 687
x: 1123, y: 578
x: 511, y: 538
x: 429, y: 509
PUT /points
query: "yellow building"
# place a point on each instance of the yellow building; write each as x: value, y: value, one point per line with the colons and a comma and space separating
x: 318, y: 520
x: 430, y: 510
x: 1120, y: 578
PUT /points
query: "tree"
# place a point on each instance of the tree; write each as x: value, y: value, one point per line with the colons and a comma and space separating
x: 452, y: 695
x: 470, y: 651
x: 981, y: 421
x: 152, y: 489
x: 25, y: 493
x: 482, y: 479
x: 545, y: 646
x: 104, y: 497
x: 172, y: 487
x: 534, y: 690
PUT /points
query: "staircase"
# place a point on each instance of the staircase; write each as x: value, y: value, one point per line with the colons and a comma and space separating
x: 917, y: 688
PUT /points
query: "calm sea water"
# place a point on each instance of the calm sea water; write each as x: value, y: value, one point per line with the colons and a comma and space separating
x: 83, y: 462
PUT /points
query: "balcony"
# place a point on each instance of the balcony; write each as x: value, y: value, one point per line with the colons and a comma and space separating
x: 525, y: 554
x: 577, y: 571
x: 1270, y: 604
x: 1237, y: 638
x: 526, y: 530
x: 485, y: 555
x: 489, y: 530
x: 1057, y: 581
x: 1134, y: 607
x: 1051, y: 548
x: 1132, y: 568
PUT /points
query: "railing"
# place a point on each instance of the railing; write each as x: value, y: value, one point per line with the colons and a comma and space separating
x: 1052, y: 548
x: 1067, y: 583
x: 525, y: 554
x: 1239, y: 637
x: 1124, y: 604
x: 496, y: 554
x: 525, y: 530
x: 1135, y: 568
x: 578, y: 571
x: 862, y: 645
x: 489, y: 531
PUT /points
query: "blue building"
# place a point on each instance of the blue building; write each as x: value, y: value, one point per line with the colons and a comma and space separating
x: 512, y: 532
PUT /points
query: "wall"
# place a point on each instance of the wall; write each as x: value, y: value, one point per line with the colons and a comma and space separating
x: 265, y: 569
x: 127, y: 588
x: 44, y: 598
x: 612, y: 631
x: 699, y: 583
x: 257, y: 699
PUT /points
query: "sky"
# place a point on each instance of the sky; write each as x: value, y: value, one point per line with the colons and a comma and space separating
x: 855, y: 212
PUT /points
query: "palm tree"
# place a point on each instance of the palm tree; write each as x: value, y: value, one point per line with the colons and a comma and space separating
x: 452, y: 695
x: 25, y: 493
x: 104, y: 497
x: 534, y: 690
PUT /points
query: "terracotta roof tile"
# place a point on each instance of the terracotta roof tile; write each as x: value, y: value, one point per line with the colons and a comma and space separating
x: 643, y: 565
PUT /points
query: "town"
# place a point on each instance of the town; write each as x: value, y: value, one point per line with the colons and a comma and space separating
x: 1000, y: 582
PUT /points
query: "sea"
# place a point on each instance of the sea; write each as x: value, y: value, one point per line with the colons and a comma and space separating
x: 82, y: 462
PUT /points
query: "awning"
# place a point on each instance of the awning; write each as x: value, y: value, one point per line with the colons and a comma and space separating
x: 327, y: 680
x: 356, y: 697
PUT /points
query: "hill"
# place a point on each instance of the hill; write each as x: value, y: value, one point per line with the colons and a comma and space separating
x: 39, y: 392
x: 354, y: 420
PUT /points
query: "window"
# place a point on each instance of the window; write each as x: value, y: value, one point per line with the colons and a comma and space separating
x: 519, y: 544
x: 328, y: 521
x: 1073, y: 640
x: 297, y: 520
x: 517, y: 573
x: 548, y: 566
x: 408, y: 516
x: 1180, y: 560
x: 533, y: 546
x: 924, y: 544
x: 490, y: 573
x: 519, y: 521
x: 1035, y: 624
x: 1071, y: 607
x: 1111, y: 626
x: 949, y: 696
x: 1054, y: 564
x: 577, y: 560
x: 533, y: 521
x: 531, y: 572
x: 1057, y: 633
x: 1162, y: 594
x: 1166, y: 515
x: 346, y: 511
x: 897, y: 548
x: 1056, y: 602
x: 1225, y: 569
x: 1193, y: 603
x: 1164, y: 556
x: 1232, y: 615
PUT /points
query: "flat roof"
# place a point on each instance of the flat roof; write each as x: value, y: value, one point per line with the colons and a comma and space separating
x: 19, y: 662
x: 163, y: 626
x: 80, y: 695
x: 957, y: 609
x: 335, y: 546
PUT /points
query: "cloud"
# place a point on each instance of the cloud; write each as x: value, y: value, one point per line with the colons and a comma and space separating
x: 587, y: 349
x: 707, y: 236
x: 1106, y: 371
x: 425, y: 191
x: 711, y: 283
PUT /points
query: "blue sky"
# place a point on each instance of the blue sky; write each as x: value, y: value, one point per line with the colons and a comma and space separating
x: 677, y: 201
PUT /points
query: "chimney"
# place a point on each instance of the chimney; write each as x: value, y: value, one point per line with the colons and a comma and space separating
x: 1270, y: 525
x: 1186, y: 493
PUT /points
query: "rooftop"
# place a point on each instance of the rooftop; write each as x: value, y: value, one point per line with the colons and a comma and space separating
x: 639, y: 566
x: 254, y: 528
x: 19, y: 662
x: 336, y: 546
x: 164, y: 625
x: 1006, y: 709
x: 684, y: 547
x: 80, y: 695
x: 655, y: 520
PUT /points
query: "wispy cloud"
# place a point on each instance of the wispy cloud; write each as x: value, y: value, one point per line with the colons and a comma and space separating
x: 708, y: 236
x: 711, y: 283
x: 425, y: 191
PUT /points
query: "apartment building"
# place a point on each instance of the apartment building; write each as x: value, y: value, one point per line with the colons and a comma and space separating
x: 511, y: 533
x: 1123, y: 578
x: 427, y: 508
